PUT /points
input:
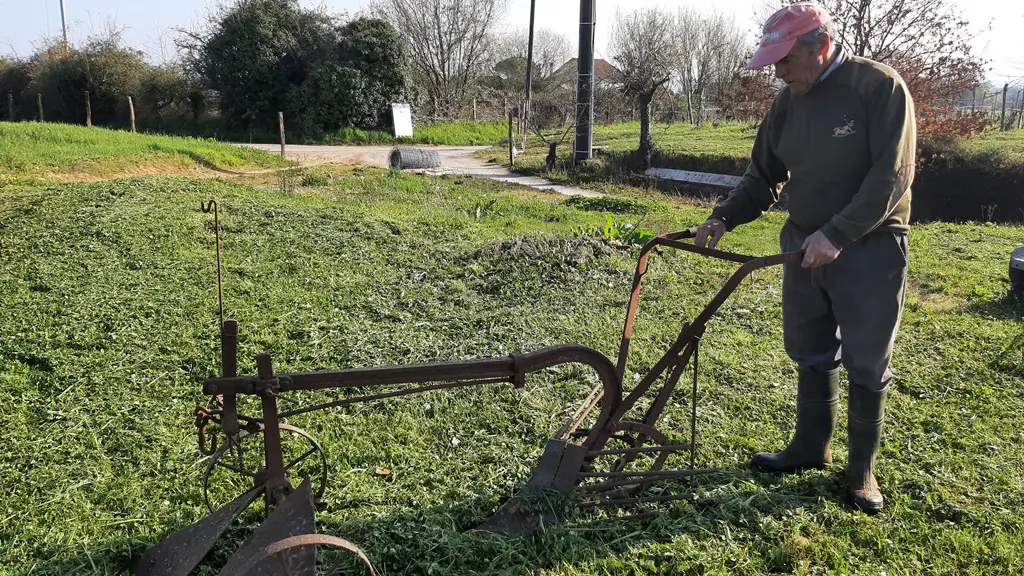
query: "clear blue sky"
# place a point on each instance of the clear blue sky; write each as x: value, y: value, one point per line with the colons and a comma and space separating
x: 148, y: 24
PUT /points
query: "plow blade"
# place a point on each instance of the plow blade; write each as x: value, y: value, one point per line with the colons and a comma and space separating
x: 285, y: 543
x: 559, y: 470
x: 293, y: 517
x: 182, y: 551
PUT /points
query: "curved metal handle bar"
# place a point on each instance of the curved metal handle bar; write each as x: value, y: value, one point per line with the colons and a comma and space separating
x: 672, y: 240
x: 301, y: 541
x: 688, y: 333
x: 470, y: 372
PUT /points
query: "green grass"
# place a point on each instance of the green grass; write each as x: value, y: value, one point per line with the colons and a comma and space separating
x: 42, y: 150
x: 725, y: 140
x: 1010, y: 145
x: 724, y: 149
x: 109, y: 314
x: 440, y: 133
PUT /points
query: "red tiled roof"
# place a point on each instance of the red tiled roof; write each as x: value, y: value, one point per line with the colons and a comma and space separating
x: 604, y: 70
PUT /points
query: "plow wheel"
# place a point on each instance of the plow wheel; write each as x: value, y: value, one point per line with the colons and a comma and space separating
x: 274, y: 559
x: 238, y: 464
x: 630, y: 460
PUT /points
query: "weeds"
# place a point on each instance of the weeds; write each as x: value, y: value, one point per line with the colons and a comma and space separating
x: 317, y: 178
x: 619, y: 232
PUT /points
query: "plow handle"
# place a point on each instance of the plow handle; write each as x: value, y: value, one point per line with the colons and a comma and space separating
x: 675, y: 240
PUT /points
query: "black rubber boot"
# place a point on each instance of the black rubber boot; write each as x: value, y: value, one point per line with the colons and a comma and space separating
x: 866, y: 413
x: 817, y: 401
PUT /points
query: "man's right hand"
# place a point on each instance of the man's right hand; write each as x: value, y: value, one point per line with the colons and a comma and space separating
x: 713, y: 229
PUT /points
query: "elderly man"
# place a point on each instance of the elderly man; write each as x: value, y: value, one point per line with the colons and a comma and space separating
x: 841, y: 135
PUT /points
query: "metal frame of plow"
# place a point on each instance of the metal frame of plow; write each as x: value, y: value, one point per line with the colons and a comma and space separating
x: 565, y: 465
x: 571, y: 460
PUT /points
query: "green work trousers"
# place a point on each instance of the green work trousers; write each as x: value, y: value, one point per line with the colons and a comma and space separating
x: 846, y: 312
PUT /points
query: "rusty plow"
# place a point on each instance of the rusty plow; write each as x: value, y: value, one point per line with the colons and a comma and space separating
x: 609, y: 451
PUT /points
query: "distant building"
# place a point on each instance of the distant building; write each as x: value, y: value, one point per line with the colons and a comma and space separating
x: 605, y: 74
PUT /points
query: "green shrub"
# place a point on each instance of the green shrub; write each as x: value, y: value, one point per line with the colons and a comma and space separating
x: 615, y: 204
x: 317, y: 178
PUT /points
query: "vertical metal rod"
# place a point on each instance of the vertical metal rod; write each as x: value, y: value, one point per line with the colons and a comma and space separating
x: 627, y: 330
x: 39, y: 105
x: 693, y: 405
x: 88, y: 110
x: 216, y: 229
x: 10, y: 107
x: 229, y: 369
x: 276, y: 481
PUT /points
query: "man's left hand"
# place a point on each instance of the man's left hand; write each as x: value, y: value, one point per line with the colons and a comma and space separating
x: 818, y: 251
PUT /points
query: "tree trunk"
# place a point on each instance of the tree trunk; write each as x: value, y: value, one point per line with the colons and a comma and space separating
x: 646, y: 141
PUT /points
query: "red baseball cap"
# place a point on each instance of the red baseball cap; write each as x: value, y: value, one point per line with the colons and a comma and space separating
x: 783, y: 29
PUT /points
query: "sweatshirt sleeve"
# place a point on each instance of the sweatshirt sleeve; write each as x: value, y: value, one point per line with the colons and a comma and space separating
x: 761, y: 184
x: 893, y: 147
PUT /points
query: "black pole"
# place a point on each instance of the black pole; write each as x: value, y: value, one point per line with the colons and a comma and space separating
x: 529, y: 75
x: 584, y: 147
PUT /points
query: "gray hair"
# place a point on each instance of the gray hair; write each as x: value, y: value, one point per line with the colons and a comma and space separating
x: 813, y: 38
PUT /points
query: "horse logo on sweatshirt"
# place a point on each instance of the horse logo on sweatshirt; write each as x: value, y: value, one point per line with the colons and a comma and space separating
x: 845, y: 130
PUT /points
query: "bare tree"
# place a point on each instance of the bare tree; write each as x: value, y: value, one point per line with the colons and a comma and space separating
x: 644, y: 48
x: 551, y: 50
x: 926, y: 41
x: 448, y: 41
x: 709, y: 47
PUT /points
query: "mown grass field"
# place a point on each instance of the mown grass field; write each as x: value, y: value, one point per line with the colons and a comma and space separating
x: 108, y: 309
x: 42, y: 151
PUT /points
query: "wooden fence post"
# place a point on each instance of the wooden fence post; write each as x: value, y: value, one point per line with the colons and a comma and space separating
x: 88, y: 110
x: 1020, y: 116
x: 10, y: 107
x: 1002, y: 117
x: 39, y: 105
x: 131, y: 112
x: 511, y: 142
x: 280, y: 126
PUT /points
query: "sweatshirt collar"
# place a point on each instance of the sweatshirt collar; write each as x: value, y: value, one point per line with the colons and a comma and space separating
x: 839, y: 59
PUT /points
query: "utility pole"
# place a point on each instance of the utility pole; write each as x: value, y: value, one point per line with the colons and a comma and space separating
x: 64, y: 24
x: 529, y: 76
x: 584, y: 145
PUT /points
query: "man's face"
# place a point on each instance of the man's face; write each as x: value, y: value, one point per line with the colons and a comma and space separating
x: 801, y: 67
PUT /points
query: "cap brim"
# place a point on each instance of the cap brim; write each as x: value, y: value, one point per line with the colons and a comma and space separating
x: 770, y: 54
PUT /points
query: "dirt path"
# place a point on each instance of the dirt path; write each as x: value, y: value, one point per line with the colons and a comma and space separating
x: 454, y: 160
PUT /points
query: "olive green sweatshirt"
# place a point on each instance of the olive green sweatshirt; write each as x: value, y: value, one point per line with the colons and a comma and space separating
x: 843, y: 154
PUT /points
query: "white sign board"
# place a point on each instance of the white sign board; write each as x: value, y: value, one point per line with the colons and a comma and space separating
x: 402, y: 115
x: 722, y: 180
